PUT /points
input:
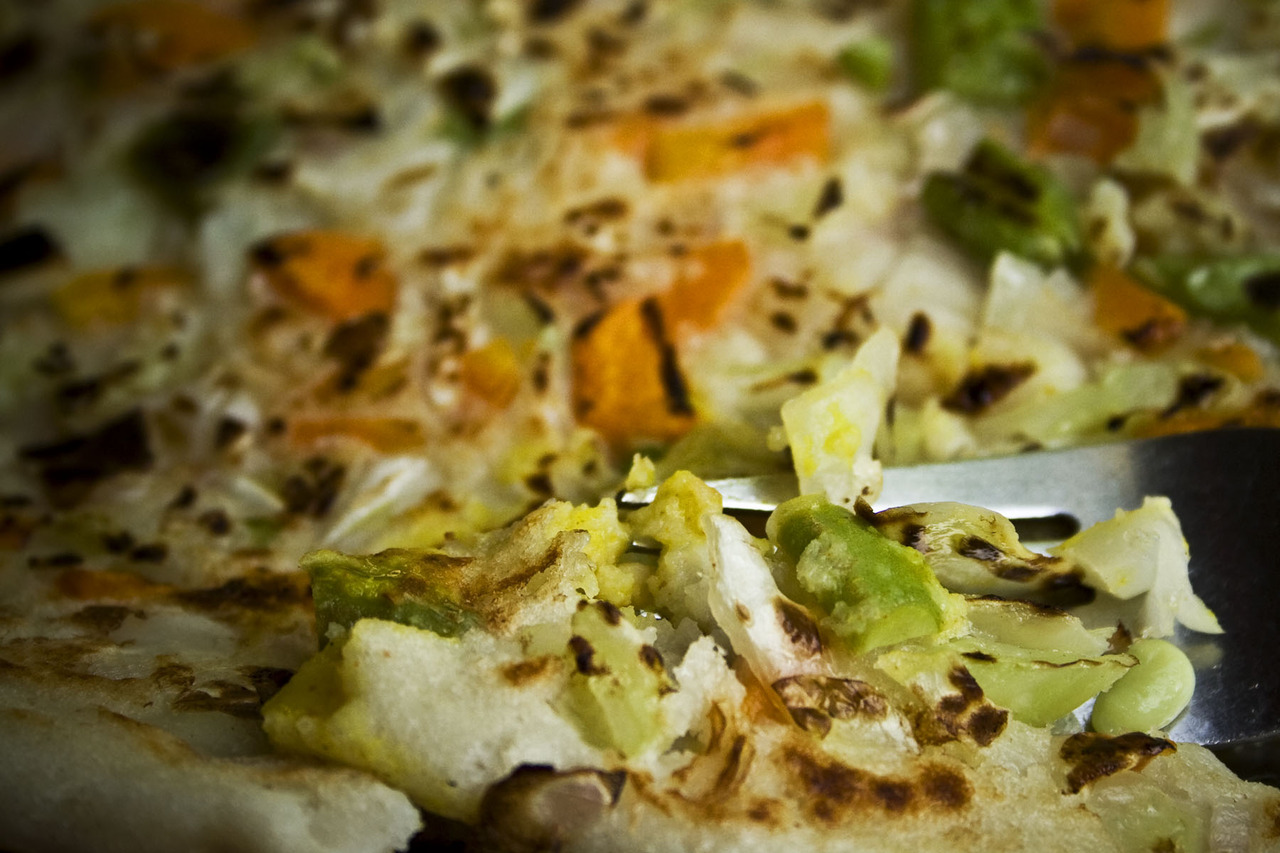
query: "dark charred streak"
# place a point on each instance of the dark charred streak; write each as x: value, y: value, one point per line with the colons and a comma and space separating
x: 420, y: 40
x: 151, y: 552
x: 979, y: 656
x: 71, y: 467
x: 227, y: 431
x: 1092, y: 756
x: 584, y: 656
x: 804, y: 376
x: 612, y: 615
x: 913, y: 536
x: 831, y: 197
x: 981, y: 389
x: 27, y: 248
x: 471, y: 91
x: 652, y: 659
x: 976, y: 548
x: 1263, y: 290
x: 919, y: 331
x: 784, y: 289
x: 523, y: 672
x: 259, y: 590
x: 666, y: 105
x: 103, y: 618
x: 676, y: 389
x: 814, y: 701
x: 1193, y: 391
x: 356, y: 345
x: 799, y: 626
x: 963, y: 680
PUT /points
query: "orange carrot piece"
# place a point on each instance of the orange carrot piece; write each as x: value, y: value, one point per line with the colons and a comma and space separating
x: 683, y: 151
x: 710, y: 279
x: 1235, y: 358
x: 1126, y: 308
x: 626, y: 380
x: 492, y: 372
x: 385, y: 434
x: 1120, y: 25
x: 335, y: 273
x: 146, y: 37
x: 1091, y: 108
x: 111, y: 297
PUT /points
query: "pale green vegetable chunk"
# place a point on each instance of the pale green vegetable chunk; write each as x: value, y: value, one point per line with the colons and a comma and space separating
x: 1040, y: 686
x: 1151, y: 694
x: 617, y: 683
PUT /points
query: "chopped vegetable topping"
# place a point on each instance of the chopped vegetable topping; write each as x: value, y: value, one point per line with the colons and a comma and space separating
x: 337, y: 274
x: 1244, y: 288
x: 411, y: 587
x: 876, y: 591
x: 700, y: 151
x: 986, y: 52
x: 998, y: 203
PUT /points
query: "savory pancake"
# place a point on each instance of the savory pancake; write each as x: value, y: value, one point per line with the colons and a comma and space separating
x: 329, y: 330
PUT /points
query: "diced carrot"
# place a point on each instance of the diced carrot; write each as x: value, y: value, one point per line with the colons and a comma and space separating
x: 707, y: 283
x: 111, y: 297
x: 626, y: 378
x: 1091, y: 108
x: 385, y: 434
x: 144, y: 37
x: 1193, y: 420
x: 1120, y: 25
x: 82, y: 585
x: 492, y: 372
x: 1235, y: 358
x: 627, y: 382
x: 677, y: 152
x: 335, y: 273
x: 1126, y: 308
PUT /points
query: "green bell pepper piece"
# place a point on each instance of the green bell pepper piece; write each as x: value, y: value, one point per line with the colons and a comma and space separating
x: 417, y: 588
x: 1232, y: 288
x: 999, y: 203
x: 983, y: 51
x: 877, y: 591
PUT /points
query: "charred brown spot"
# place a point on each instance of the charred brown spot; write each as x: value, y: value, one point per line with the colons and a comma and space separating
x: 103, y: 618
x: 471, y: 91
x: 799, y: 626
x: 652, y: 658
x: 584, y: 656
x: 831, y: 197
x: 986, y: 723
x: 1193, y: 391
x: 174, y: 676
x: 70, y: 468
x: 258, y: 590
x: 1263, y: 290
x: 356, y: 345
x: 538, y: 807
x: 981, y: 389
x: 815, y: 700
x: 266, y: 680
x: 919, y: 331
x: 1093, y: 756
x: 612, y: 615
x: 946, y: 787
x: 25, y: 249
x: 522, y: 672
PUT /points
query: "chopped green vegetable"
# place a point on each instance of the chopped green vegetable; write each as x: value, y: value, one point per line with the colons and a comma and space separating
x: 1040, y: 685
x: 417, y: 588
x: 1151, y: 694
x: 868, y: 62
x: 877, y: 591
x: 999, y: 203
x: 1244, y: 288
x: 618, y: 681
x: 986, y: 52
